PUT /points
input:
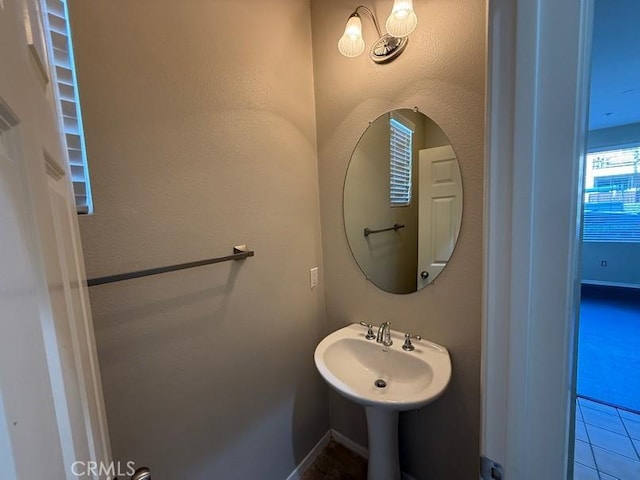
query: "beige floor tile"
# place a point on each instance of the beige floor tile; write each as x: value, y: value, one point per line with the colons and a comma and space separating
x: 603, y: 419
x: 583, y: 454
x: 618, y: 466
x: 630, y: 415
x: 633, y: 428
x: 581, y: 432
x: 597, y: 406
x: 580, y: 472
x: 611, y: 441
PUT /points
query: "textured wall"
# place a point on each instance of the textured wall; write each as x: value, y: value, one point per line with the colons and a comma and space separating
x: 200, y: 131
x: 441, y: 72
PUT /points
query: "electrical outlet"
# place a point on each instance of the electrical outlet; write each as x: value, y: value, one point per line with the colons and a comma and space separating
x: 313, y: 273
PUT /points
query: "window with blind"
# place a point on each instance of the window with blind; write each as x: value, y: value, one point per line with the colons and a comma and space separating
x: 401, y: 163
x: 65, y: 88
x: 612, y: 196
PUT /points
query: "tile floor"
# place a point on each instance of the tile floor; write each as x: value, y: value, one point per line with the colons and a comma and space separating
x: 607, y: 443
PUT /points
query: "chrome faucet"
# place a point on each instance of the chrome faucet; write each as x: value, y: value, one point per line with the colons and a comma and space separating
x: 384, y: 334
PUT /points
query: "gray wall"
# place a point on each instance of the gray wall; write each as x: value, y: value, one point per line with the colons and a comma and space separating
x: 622, y: 263
x: 623, y: 259
x: 200, y: 132
x: 441, y: 72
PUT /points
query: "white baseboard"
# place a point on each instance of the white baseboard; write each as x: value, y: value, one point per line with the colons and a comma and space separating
x: 310, y: 458
x: 359, y: 449
x: 323, y: 442
x: 611, y: 284
x: 350, y: 444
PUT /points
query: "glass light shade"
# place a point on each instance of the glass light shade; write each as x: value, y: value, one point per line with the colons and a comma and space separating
x: 351, y: 44
x: 403, y: 19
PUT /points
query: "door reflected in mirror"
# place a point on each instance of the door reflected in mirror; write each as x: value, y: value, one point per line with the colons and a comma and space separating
x: 402, y: 201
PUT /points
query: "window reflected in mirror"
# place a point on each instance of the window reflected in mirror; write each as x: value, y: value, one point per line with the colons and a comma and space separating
x: 402, y: 201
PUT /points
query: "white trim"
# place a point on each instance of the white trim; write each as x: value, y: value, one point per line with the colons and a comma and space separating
x: 610, y: 284
x: 323, y: 442
x: 359, y: 449
x: 7, y: 464
x: 536, y: 116
x: 497, y: 230
x: 310, y: 458
x: 350, y: 444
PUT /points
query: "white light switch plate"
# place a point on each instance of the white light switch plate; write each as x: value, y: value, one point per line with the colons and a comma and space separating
x: 313, y: 273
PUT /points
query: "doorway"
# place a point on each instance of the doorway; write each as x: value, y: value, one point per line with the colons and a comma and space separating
x: 607, y: 429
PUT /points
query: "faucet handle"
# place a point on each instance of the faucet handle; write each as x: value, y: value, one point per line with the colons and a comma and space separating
x: 370, y: 335
x: 408, y: 346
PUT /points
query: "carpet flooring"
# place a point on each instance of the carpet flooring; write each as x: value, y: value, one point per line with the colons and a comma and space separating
x: 609, y: 346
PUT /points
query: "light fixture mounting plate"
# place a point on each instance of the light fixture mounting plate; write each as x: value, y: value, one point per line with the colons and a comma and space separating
x: 387, y: 48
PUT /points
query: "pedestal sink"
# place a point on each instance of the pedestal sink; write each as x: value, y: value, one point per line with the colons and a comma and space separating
x: 385, y: 380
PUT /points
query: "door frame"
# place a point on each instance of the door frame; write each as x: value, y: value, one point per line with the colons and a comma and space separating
x: 52, y: 413
x: 537, y: 103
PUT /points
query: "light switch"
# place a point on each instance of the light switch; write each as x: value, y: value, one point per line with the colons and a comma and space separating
x: 313, y: 273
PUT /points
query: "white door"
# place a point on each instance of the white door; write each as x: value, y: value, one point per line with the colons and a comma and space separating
x: 538, y: 68
x: 51, y: 407
x: 439, y: 210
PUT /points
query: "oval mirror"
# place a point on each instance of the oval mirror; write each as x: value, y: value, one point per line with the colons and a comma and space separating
x: 402, y: 201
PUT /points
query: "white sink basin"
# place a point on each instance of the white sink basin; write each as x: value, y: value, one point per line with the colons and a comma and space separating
x: 352, y: 364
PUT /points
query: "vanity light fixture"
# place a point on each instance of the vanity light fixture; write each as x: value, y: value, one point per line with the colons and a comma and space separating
x: 401, y: 22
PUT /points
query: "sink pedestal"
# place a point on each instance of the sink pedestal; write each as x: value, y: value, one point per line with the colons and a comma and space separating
x: 382, y: 426
x: 386, y: 380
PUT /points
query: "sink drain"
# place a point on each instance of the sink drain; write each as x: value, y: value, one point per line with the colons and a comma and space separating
x: 380, y: 383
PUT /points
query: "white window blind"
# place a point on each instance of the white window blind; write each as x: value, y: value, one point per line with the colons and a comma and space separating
x: 401, y: 162
x: 65, y: 88
x: 612, y: 196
